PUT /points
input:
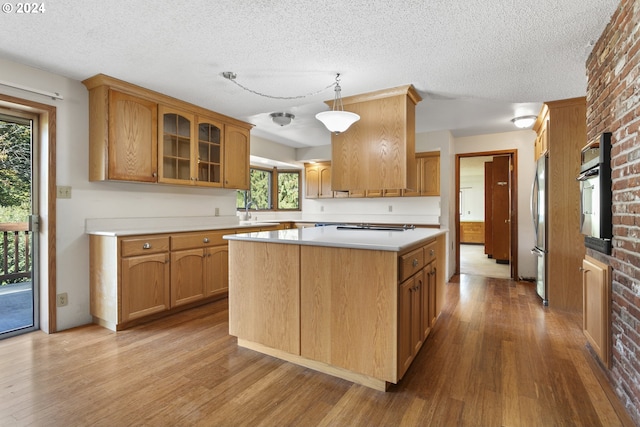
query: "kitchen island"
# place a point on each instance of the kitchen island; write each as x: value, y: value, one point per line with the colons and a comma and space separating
x: 354, y: 303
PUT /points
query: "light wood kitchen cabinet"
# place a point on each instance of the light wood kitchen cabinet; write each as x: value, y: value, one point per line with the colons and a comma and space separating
x: 176, y: 148
x: 596, y: 284
x: 198, y: 266
x: 318, y: 181
x: 145, y: 277
x: 409, y: 321
x: 134, y: 277
x: 541, y: 144
x: 378, y: 151
x: 236, y: 157
x: 427, y: 175
x: 417, y: 301
x: 125, y: 146
x: 364, y: 323
x: 562, y: 124
x: 140, y: 135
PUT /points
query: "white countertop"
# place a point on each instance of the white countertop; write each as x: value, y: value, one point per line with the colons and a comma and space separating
x: 331, y: 236
x: 135, y: 226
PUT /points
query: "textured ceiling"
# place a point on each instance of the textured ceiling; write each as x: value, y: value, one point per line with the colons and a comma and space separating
x: 476, y: 63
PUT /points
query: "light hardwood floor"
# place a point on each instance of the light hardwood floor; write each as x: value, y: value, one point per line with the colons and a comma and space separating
x: 495, y: 357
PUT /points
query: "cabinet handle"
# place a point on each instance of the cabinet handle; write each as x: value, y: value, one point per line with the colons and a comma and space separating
x: 205, y: 240
x: 415, y: 263
x: 432, y: 252
x: 146, y: 246
x: 154, y: 174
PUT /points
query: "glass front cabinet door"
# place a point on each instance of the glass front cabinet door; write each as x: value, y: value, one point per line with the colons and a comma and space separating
x: 209, y: 153
x: 175, y: 150
x: 190, y: 150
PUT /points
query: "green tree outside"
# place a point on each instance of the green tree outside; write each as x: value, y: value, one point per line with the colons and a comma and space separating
x: 15, y: 189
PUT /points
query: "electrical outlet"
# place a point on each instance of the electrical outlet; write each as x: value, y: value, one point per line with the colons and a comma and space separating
x: 63, y: 192
x: 390, y: 208
x: 321, y: 208
x: 62, y: 299
x: 217, y: 212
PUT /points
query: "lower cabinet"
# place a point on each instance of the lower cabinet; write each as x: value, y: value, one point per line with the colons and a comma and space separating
x: 135, y: 277
x: 596, y: 284
x: 145, y: 285
x: 416, y: 303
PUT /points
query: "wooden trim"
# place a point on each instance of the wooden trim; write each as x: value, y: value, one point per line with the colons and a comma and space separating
x: 427, y: 154
x: 104, y: 80
x: 46, y: 113
x: 406, y: 90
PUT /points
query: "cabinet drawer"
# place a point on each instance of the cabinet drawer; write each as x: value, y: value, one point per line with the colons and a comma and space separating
x: 411, y: 263
x: 199, y: 240
x: 430, y: 252
x: 144, y: 245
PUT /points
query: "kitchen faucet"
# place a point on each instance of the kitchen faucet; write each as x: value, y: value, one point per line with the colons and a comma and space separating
x: 247, y: 214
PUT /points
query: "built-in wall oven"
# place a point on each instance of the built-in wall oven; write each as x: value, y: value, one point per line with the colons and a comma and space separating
x: 595, y: 194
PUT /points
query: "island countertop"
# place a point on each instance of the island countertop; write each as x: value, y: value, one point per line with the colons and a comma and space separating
x: 333, y: 236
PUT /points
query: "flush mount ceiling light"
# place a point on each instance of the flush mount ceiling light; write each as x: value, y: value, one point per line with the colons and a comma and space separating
x: 282, y: 119
x: 337, y: 120
x: 524, y: 121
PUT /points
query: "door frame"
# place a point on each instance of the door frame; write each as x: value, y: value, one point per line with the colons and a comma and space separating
x: 513, y: 155
x: 46, y: 176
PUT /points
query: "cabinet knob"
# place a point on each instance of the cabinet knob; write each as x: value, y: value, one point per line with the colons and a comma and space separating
x: 415, y: 263
x: 154, y: 174
x: 432, y: 252
x: 146, y: 246
x: 205, y: 240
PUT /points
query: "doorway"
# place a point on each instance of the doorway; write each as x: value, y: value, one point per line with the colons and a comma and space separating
x: 19, y: 296
x: 486, y: 214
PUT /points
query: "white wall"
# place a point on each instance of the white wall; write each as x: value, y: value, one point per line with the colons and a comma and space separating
x: 96, y: 199
x: 523, y: 142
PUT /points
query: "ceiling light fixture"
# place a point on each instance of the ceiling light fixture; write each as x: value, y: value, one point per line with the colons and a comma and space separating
x: 523, y: 122
x: 337, y: 120
x: 282, y: 119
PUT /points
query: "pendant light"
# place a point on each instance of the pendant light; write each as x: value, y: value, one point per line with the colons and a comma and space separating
x: 337, y: 120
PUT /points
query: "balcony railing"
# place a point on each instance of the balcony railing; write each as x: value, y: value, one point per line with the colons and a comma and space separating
x: 15, y: 252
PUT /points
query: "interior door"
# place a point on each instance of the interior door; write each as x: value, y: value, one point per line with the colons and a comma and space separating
x: 18, y: 223
x: 501, y: 212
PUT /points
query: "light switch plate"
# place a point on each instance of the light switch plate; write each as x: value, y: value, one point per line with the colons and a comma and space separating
x: 63, y: 192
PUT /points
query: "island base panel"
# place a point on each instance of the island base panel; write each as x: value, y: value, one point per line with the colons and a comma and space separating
x: 324, y: 368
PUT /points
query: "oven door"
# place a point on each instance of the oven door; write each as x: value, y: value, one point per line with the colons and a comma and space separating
x: 590, y: 202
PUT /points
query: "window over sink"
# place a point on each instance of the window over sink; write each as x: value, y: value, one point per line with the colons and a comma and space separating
x: 271, y: 189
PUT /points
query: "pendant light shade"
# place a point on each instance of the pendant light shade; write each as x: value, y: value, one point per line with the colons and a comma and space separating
x: 337, y: 120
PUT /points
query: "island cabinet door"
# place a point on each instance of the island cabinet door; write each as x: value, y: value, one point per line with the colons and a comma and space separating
x: 264, y: 294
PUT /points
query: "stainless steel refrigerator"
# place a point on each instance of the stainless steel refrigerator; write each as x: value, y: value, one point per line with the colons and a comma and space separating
x: 539, y: 214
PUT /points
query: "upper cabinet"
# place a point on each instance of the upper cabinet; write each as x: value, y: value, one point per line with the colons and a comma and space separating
x: 144, y: 136
x: 318, y: 181
x: 236, y: 158
x: 428, y: 175
x: 125, y: 146
x: 378, y: 151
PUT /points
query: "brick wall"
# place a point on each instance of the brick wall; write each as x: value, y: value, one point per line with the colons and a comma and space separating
x: 613, y: 105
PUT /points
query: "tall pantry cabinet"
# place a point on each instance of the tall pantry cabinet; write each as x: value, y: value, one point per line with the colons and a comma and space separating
x: 561, y: 130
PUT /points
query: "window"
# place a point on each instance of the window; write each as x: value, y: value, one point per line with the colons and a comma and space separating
x: 265, y: 183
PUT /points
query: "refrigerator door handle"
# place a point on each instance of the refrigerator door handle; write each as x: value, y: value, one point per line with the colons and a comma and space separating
x: 537, y: 252
x: 533, y: 204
